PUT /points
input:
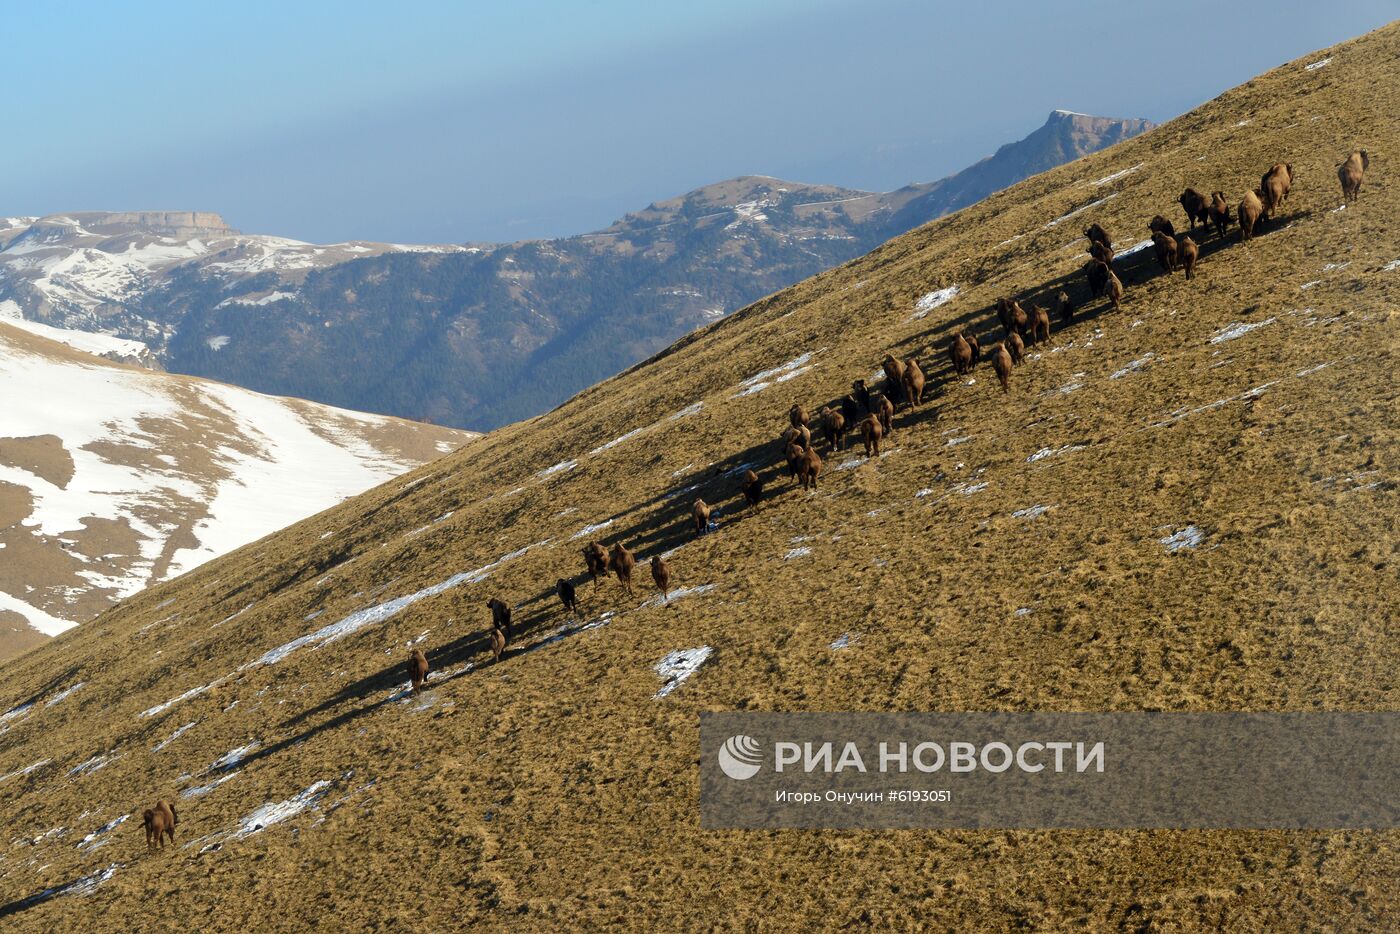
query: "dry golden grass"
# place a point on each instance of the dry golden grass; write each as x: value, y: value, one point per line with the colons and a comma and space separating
x: 554, y: 790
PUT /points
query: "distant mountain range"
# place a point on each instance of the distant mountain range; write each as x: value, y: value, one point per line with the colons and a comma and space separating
x: 114, y: 477
x: 477, y: 335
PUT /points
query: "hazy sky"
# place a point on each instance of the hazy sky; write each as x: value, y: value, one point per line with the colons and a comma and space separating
x: 454, y: 121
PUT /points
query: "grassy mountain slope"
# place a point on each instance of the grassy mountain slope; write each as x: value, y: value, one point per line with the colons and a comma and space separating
x: 1007, y: 554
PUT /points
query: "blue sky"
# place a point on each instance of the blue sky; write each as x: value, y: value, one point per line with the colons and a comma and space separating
x: 433, y: 121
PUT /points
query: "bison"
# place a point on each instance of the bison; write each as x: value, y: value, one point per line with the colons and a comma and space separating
x: 595, y: 556
x: 1115, y: 290
x: 894, y: 375
x: 499, y: 640
x: 1196, y: 206
x: 850, y: 409
x: 417, y: 669
x: 884, y: 411
x: 960, y: 353
x: 621, y: 562
x: 160, y: 822
x: 1187, y: 253
x: 913, y: 382
x: 1274, y: 186
x: 834, y: 426
x: 752, y: 488
x: 567, y: 596
x: 1039, y: 324
x: 1001, y: 362
x: 500, y: 615
x: 700, y: 512
x: 1166, y: 248
x: 1250, y: 211
x: 1219, y: 212
x: 1012, y: 316
x: 1351, y: 172
x: 1100, y: 252
x: 1160, y: 224
x: 797, y: 415
x: 1066, y: 308
x: 862, y: 394
x: 1096, y: 271
x: 661, y: 574
x: 871, y: 433
x: 1097, y: 234
x: 1016, y: 348
x: 976, y: 347
x: 808, y: 465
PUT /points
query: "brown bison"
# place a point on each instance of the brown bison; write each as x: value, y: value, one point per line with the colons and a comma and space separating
x: 1100, y: 252
x: 1115, y: 291
x: 894, y: 375
x: 1187, y: 253
x: 800, y: 436
x: 661, y: 574
x: 1038, y: 322
x: 1012, y: 316
x: 807, y: 464
x: 1015, y: 347
x: 1196, y: 206
x: 1096, y: 271
x: 1165, y: 246
x: 871, y: 433
x: 567, y: 595
x: 700, y: 512
x: 1219, y: 212
x: 913, y: 382
x: 1351, y: 172
x: 621, y: 562
x: 752, y: 488
x: 884, y: 411
x: 960, y: 352
x: 834, y: 426
x: 417, y: 669
x: 1097, y: 234
x: 797, y: 415
x: 976, y: 347
x: 1251, y: 210
x: 1160, y: 224
x: 1066, y: 307
x: 1001, y: 362
x: 794, y: 454
x: 160, y: 822
x: 595, y: 556
x: 499, y: 641
x: 1274, y: 186
x: 500, y: 615
x: 862, y: 394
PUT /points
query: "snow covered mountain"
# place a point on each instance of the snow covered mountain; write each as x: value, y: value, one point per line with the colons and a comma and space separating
x: 113, y: 477
x: 108, y: 271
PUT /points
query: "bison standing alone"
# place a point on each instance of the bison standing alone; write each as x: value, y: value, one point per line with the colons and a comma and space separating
x: 417, y: 669
x: 752, y: 488
x: 700, y: 512
x: 1351, y: 173
x: 661, y: 575
x: 160, y: 822
x: 567, y: 596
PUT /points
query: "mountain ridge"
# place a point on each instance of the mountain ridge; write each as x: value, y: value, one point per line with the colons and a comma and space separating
x: 478, y: 335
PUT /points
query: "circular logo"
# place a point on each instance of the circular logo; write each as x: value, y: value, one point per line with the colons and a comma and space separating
x: 740, y: 757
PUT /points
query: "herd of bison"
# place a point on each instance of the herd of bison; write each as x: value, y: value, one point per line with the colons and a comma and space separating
x: 870, y: 412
